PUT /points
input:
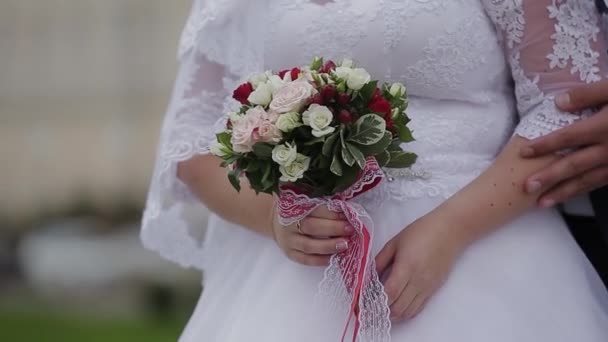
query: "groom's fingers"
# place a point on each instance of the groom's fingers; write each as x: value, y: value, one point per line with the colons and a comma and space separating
x: 585, y: 97
x: 568, y: 167
x: 576, y: 186
x: 573, y: 136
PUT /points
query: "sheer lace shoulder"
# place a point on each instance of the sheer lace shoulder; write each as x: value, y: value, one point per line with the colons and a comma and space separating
x: 216, y: 52
x: 551, y: 46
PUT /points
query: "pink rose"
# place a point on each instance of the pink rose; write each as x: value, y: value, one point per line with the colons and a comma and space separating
x: 245, y: 131
x: 292, y: 96
x: 268, y: 132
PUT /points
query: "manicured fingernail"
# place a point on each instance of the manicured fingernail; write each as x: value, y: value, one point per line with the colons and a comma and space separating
x: 342, y: 245
x: 527, y: 152
x: 349, y: 229
x: 533, y: 186
x: 563, y: 100
x: 547, y: 203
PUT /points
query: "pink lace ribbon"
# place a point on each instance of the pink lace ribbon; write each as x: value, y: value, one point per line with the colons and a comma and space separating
x: 351, y: 284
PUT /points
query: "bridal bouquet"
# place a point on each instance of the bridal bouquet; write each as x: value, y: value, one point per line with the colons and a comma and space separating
x: 314, y: 127
x: 318, y: 135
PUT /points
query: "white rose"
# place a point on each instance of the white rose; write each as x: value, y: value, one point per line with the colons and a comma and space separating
x: 275, y: 82
x: 295, y: 170
x: 261, y: 96
x: 319, y: 119
x: 260, y: 78
x: 292, y: 96
x: 244, y: 131
x: 217, y: 149
x: 343, y: 72
x: 289, y: 121
x: 397, y: 89
x: 307, y: 73
x: 358, y: 78
x: 347, y: 63
x: 284, y: 154
x: 234, y: 117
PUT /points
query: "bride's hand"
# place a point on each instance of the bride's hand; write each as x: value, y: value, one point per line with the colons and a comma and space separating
x: 418, y: 261
x: 321, y: 234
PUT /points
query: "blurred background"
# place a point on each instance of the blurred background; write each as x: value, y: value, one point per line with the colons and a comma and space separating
x: 83, y: 88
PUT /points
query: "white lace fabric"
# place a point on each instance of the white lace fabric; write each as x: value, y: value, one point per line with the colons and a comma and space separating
x: 552, y: 46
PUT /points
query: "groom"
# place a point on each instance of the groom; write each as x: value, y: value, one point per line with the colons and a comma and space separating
x: 580, y: 172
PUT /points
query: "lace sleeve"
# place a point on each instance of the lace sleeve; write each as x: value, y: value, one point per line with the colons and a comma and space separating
x: 551, y: 46
x: 216, y: 52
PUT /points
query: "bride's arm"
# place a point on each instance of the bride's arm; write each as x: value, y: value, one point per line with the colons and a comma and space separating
x: 551, y: 46
x: 207, y: 179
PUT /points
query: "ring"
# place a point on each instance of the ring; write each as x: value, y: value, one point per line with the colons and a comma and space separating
x: 299, y: 226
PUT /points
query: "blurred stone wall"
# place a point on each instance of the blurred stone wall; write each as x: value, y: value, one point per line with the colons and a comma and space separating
x: 83, y: 87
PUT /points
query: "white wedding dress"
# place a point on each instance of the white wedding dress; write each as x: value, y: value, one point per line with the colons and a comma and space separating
x: 527, y: 282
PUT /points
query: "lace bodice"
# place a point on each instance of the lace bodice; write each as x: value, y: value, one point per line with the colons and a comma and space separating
x: 458, y: 59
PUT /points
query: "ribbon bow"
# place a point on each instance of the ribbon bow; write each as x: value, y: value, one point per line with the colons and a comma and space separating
x: 351, y: 284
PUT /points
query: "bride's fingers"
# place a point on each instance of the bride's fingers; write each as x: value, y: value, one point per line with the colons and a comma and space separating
x: 406, y: 298
x: 307, y: 259
x: 397, y: 280
x: 415, y: 307
x: 324, y: 213
x: 309, y: 245
x: 325, y: 228
x: 385, y: 257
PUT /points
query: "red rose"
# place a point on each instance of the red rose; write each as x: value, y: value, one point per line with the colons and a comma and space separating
x: 328, y: 92
x: 343, y: 99
x: 345, y: 117
x: 380, y: 105
x: 317, y: 99
x: 390, y: 124
x: 242, y: 93
x: 295, y: 72
x: 328, y: 67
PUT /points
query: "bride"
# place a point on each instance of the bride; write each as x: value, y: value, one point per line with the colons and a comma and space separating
x: 463, y: 253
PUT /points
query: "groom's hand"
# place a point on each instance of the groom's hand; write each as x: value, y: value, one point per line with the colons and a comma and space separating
x: 583, y: 170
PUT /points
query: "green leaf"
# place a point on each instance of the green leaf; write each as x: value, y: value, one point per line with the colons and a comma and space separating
x: 357, y: 154
x: 347, y: 156
x: 383, y: 158
x: 328, y: 146
x: 401, y: 159
x: 368, y: 130
x: 367, y: 92
x: 233, y: 177
x: 263, y: 150
x: 314, y: 141
x: 224, y: 139
x: 267, y: 170
x: 378, y: 147
x: 317, y: 63
x: 348, y: 178
x: 336, y: 164
x: 405, y: 135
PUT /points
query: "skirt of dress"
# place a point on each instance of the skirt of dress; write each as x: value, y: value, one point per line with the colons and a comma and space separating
x: 527, y: 282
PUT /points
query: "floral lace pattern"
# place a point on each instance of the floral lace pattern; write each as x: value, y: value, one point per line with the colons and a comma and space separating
x: 450, y: 56
x: 575, y: 28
